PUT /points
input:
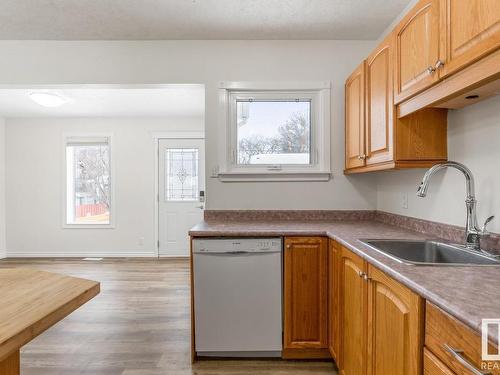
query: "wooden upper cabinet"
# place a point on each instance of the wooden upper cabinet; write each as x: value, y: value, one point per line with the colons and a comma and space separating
x: 355, y: 118
x: 353, y: 305
x: 417, y: 40
x: 334, y: 300
x: 415, y: 141
x: 395, y: 329
x: 379, y: 104
x: 470, y: 30
x: 305, y: 294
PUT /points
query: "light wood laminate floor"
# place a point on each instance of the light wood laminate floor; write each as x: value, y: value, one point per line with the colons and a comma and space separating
x: 138, y: 325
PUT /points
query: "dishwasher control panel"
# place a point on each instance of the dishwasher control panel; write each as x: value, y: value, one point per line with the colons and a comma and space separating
x: 248, y: 245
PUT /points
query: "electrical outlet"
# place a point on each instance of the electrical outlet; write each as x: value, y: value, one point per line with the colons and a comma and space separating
x: 405, y: 200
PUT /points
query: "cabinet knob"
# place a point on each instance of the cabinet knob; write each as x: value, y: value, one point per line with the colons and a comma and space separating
x: 362, y: 157
x: 431, y: 69
x: 288, y: 246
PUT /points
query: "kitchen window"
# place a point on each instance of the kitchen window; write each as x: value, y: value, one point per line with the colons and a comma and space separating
x: 89, y: 200
x: 276, y: 132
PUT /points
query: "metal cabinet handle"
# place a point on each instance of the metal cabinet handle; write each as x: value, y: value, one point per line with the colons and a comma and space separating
x: 431, y: 69
x: 439, y: 64
x: 457, y: 354
x: 362, y: 157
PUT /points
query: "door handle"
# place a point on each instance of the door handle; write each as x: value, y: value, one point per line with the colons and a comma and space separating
x: 200, y: 207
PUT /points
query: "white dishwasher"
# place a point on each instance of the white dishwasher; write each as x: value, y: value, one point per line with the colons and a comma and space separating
x: 238, y: 297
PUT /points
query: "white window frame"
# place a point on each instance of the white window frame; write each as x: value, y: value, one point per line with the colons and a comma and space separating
x: 90, y: 138
x: 319, y: 95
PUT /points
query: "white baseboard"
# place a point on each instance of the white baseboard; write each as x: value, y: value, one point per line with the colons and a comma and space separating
x: 81, y: 254
x: 3, y: 254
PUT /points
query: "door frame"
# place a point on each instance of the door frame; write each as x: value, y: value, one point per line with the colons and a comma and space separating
x: 157, y: 136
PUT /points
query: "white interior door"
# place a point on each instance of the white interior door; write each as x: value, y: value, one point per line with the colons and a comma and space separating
x: 181, y: 178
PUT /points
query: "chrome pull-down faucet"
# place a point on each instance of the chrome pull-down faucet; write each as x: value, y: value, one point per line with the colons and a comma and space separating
x: 473, y: 233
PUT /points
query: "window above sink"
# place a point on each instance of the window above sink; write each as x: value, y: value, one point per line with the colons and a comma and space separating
x: 275, y: 131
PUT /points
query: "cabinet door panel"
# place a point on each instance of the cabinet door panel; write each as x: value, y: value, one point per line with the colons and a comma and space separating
x: 355, y: 118
x: 394, y: 327
x: 353, y: 315
x: 379, y: 104
x: 334, y: 300
x: 417, y: 49
x: 306, y: 293
x: 471, y: 29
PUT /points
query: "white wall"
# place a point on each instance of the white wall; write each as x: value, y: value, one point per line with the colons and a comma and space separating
x: 473, y: 139
x: 209, y: 62
x: 35, y: 186
x: 2, y: 188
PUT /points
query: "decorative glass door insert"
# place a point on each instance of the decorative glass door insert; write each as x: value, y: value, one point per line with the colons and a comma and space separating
x: 181, y: 177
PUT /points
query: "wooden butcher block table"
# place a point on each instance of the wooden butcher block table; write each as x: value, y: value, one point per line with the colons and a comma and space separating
x: 32, y: 301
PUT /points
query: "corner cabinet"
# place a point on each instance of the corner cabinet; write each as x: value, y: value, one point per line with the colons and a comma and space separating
x: 306, y: 298
x: 382, y: 322
x: 416, y: 141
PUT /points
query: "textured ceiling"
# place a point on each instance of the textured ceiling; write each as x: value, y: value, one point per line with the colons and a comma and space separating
x: 168, y: 101
x: 196, y: 19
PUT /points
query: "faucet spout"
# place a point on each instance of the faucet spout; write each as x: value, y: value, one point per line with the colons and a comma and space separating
x: 469, y: 178
x: 473, y: 233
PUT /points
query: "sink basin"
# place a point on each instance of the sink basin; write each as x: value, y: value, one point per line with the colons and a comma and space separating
x: 429, y: 253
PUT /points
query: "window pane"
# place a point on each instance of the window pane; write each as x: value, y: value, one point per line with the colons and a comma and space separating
x: 273, y: 132
x: 89, y: 183
x: 182, y: 174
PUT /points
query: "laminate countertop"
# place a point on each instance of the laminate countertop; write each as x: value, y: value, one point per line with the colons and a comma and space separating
x: 469, y: 293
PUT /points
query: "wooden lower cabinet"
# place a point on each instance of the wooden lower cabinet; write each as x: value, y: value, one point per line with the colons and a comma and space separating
x: 395, y: 327
x: 353, y: 300
x: 455, y: 345
x: 306, y: 298
x: 433, y: 366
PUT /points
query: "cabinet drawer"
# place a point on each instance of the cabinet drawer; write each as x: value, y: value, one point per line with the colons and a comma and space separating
x: 443, y: 333
x: 433, y: 366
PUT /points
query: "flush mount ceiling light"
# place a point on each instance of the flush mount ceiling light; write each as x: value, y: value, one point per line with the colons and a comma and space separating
x: 48, y: 99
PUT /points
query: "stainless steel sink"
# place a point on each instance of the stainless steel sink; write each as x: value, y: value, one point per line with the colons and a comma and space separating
x: 430, y: 253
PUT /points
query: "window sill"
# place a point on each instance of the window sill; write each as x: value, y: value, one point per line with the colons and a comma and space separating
x: 88, y: 226
x: 273, y: 177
